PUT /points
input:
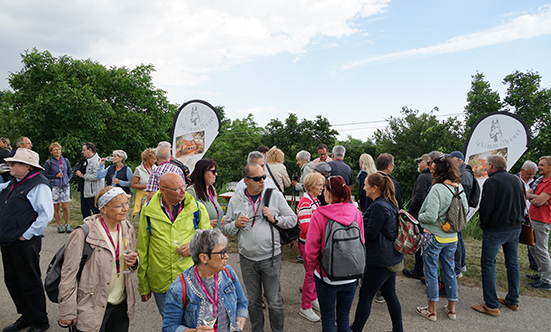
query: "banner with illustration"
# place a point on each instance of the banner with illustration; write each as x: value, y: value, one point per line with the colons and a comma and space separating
x: 497, y: 133
x: 196, y: 125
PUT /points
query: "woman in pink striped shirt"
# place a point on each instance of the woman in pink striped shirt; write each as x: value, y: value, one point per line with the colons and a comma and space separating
x: 313, y: 184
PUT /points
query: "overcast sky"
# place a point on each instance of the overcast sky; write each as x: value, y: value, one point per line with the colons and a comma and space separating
x: 351, y: 61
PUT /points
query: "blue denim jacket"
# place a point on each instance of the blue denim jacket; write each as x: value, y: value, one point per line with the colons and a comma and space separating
x: 176, y: 319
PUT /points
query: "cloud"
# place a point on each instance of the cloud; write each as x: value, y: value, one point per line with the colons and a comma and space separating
x: 185, y: 40
x: 521, y: 27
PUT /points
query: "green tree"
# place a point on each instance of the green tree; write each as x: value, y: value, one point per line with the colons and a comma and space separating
x: 527, y: 99
x: 481, y: 100
x: 413, y: 134
x: 73, y: 101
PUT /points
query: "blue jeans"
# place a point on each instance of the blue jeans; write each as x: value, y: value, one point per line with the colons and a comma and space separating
x: 327, y: 295
x: 263, y: 274
x: 459, y: 254
x: 160, y: 302
x: 433, y: 252
x: 376, y: 278
x: 491, y: 242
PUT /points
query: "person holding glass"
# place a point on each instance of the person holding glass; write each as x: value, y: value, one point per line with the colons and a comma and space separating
x: 117, y: 175
x: 58, y: 170
x: 213, y: 299
x: 439, y: 246
x: 103, y: 299
x: 202, y: 189
x: 140, y: 178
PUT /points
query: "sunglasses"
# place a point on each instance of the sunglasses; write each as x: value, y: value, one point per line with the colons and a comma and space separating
x: 257, y: 178
x: 213, y: 171
x: 222, y: 253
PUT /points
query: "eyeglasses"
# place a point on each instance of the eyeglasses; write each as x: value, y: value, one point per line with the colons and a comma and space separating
x: 213, y: 171
x: 222, y: 253
x: 127, y: 204
x: 257, y: 178
x: 429, y: 163
x: 183, y: 188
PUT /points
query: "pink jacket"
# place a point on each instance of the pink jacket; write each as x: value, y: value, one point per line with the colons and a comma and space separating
x: 343, y: 213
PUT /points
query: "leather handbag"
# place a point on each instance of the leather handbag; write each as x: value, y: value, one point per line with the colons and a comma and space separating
x: 527, y: 234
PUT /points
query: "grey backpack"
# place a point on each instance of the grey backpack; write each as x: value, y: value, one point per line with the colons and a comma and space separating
x: 344, y: 252
x: 456, y: 218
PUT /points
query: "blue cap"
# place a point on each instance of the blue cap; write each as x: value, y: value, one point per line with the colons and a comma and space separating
x: 456, y: 154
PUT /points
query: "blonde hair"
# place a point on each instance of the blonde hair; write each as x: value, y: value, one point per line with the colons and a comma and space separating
x: 311, y: 179
x: 53, y: 146
x: 368, y: 164
x: 274, y: 156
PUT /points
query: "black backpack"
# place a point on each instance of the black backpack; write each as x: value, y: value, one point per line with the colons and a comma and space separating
x: 474, y: 196
x: 53, y: 274
x: 184, y: 169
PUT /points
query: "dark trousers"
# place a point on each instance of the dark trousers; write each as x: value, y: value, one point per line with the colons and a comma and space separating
x: 115, y: 318
x: 335, y: 298
x: 376, y: 278
x: 87, y: 204
x: 418, y: 267
x: 22, y: 277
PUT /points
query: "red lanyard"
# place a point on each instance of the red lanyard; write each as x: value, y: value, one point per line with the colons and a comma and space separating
x: 213, y: 301
x: 20, y: 182
x: 60, y: 163
x: 113, y: 242
x: 170, y: 212
x: 254, y: 210
x: 315, y: 201
x: 148, y: 171
x: 211, y: 197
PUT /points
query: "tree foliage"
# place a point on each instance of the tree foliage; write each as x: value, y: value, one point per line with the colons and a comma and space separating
x: 413, y: 134
x: 481, y: 100
x: 73, y: 101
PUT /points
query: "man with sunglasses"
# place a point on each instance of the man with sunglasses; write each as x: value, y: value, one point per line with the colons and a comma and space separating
x: 255, y: 157
x: 167, y: 224
x: 26, y: 208
x: 252, y: 220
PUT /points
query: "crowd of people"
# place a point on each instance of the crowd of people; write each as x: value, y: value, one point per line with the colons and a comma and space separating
x: 180, y: 249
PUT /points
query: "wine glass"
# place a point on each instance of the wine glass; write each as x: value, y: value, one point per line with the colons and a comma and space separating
x: 209, y: 321
x: 237, y: 327
x: 178, y: 241
x: 128, y: 249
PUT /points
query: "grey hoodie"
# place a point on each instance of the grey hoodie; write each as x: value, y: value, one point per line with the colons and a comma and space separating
x: 255, y: 242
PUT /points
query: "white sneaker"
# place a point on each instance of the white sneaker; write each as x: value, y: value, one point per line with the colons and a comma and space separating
x: 316, y: 305
x: 464, y: 268
x: 309, y: 314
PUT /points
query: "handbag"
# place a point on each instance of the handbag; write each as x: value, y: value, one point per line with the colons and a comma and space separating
x: 286, y: 235
x: 527, y: 234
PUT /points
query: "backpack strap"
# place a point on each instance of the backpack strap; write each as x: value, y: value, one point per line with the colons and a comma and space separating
x: 86, y: 250
x: 228, y: 273
x: 184, y: 290
x: 196, y: 216
x: 272, y: 176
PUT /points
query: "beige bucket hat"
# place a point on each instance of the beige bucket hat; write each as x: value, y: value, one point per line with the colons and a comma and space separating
x: 25, y: 156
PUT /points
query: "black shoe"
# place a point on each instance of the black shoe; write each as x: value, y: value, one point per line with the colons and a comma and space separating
x: 533, y: 276
x: 412, y: 274
x: 39, y: 328
x: 19, y: 324
x: 533, y: 267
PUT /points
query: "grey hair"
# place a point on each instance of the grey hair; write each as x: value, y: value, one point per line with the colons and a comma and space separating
x: 529, y: 165
x: 498, y: 161
x: 303, y: 155
x: 164, y: 143
x: 121, y: 154
x: 163, y: 153
x: 204, y: 241
x: 339, y: 151
x: 254, y: 155
x: 435, y: 155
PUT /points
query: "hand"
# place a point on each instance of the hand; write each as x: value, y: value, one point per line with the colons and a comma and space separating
x: 78, y: 173
x: 58, y: 175
x: 115, y: 181
x: 267, y: 212
x: 213, y: 223
x: 241, y: 221
x: 131, y: 258
x: 102, y: 161
x: 68, y: 322
x: 293, y: 183
x: 204, y: 328
x: 146, y: 297
x: 184, y: 250
x: 21, y: 238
